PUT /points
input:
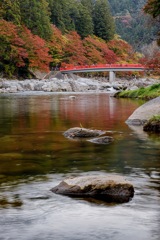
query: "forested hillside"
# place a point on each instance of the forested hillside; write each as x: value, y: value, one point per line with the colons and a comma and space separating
x: 132, y: 24
x: 41, y: 34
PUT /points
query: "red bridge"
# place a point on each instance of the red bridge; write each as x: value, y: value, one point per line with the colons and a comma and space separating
x: 102, y: 68
x: 111, y: 68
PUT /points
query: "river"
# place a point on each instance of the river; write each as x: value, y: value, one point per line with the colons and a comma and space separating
x: 35, y: 156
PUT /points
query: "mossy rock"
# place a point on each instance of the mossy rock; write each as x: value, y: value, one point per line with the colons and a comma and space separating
x: 78, y: 132
x: 152, y: 125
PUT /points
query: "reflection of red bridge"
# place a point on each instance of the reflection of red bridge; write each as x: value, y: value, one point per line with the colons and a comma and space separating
x: 111, y: 68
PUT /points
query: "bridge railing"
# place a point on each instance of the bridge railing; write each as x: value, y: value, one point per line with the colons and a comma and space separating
x: 95, y: 66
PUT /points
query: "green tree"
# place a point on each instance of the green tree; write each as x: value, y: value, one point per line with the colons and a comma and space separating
x: 84, y: 23
x: 63, y: 14
x: 35, y: 15
x: 152, y: 7
x: 57, y: 14
x: 89, y: 4
x: 10, y: 11
x: 132, y: 24
x: 103, y: 21
x: 21, y: 51
x: 70, y: 14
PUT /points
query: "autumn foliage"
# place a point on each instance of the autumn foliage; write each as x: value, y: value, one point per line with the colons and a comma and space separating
x: 151, y: 58
x: 153, y: 63
x: 12, y: 53
x: 74, y: 51
x: 70, y: 49
x: 56, y: 46
x: 97, y: 51
x: 22, y: 51
x: 123, y: 51
x: 38, y: 56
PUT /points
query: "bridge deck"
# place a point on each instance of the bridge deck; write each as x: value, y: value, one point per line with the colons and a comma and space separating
x: 103, y: 68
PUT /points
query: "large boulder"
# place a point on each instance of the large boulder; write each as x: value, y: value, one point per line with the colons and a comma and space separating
x: 78, y: 132
x: 108, y: 188
x: 145, y: 112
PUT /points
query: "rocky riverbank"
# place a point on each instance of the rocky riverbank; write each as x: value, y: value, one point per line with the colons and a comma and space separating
x: 72, y: 83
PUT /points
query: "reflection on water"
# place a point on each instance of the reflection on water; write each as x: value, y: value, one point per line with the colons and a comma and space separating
x: 35, y: 156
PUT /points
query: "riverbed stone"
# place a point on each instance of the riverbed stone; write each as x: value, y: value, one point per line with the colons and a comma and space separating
x: 109, y: 188
x: 65, y: 86
x: 38, y: 86
x: 102, y: 140
x: 119, y: 87
x: 78, y: 132
x: 142, y: 114
x: 27, y: 85
x: 13, y: 89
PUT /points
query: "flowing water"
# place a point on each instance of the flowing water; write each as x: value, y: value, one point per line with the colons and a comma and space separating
x: 35, y: 156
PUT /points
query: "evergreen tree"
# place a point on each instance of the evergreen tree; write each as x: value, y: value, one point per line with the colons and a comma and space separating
x: 84, y: 23
x: 35, y: 15
x: 103, y: 21
x: 89, y: 4
x: 132, y: 24
x: 70, y: 14
x: 57, y: 14
x: 152, y: 7
x: 10, y: 11
x: 63, y: 14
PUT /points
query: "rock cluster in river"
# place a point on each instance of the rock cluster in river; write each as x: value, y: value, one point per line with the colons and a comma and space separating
x: 108, y: 188
x: 65, y: 83
x: 78, y: 132
x: 91, y: 134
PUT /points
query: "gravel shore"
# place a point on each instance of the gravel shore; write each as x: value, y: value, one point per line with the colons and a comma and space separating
x: 72, y: 84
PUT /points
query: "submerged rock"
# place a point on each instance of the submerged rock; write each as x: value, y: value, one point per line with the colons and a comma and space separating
x: 106, y: 187
x: 78, y: 132
x: 102, y: 140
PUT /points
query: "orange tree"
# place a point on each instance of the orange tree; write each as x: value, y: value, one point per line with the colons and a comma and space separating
x: 12, y: 52
x: 56, y: 46
x: 123, y: 50
x: 38, y: 56
x: 20, y: 50
x: 74, y: 51
x: 97, y: 51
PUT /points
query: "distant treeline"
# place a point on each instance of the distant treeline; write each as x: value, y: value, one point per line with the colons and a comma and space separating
x: 84, y: 16
x: 39, y: 34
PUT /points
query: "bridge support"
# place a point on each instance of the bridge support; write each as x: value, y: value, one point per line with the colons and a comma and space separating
x: 112, y: 76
